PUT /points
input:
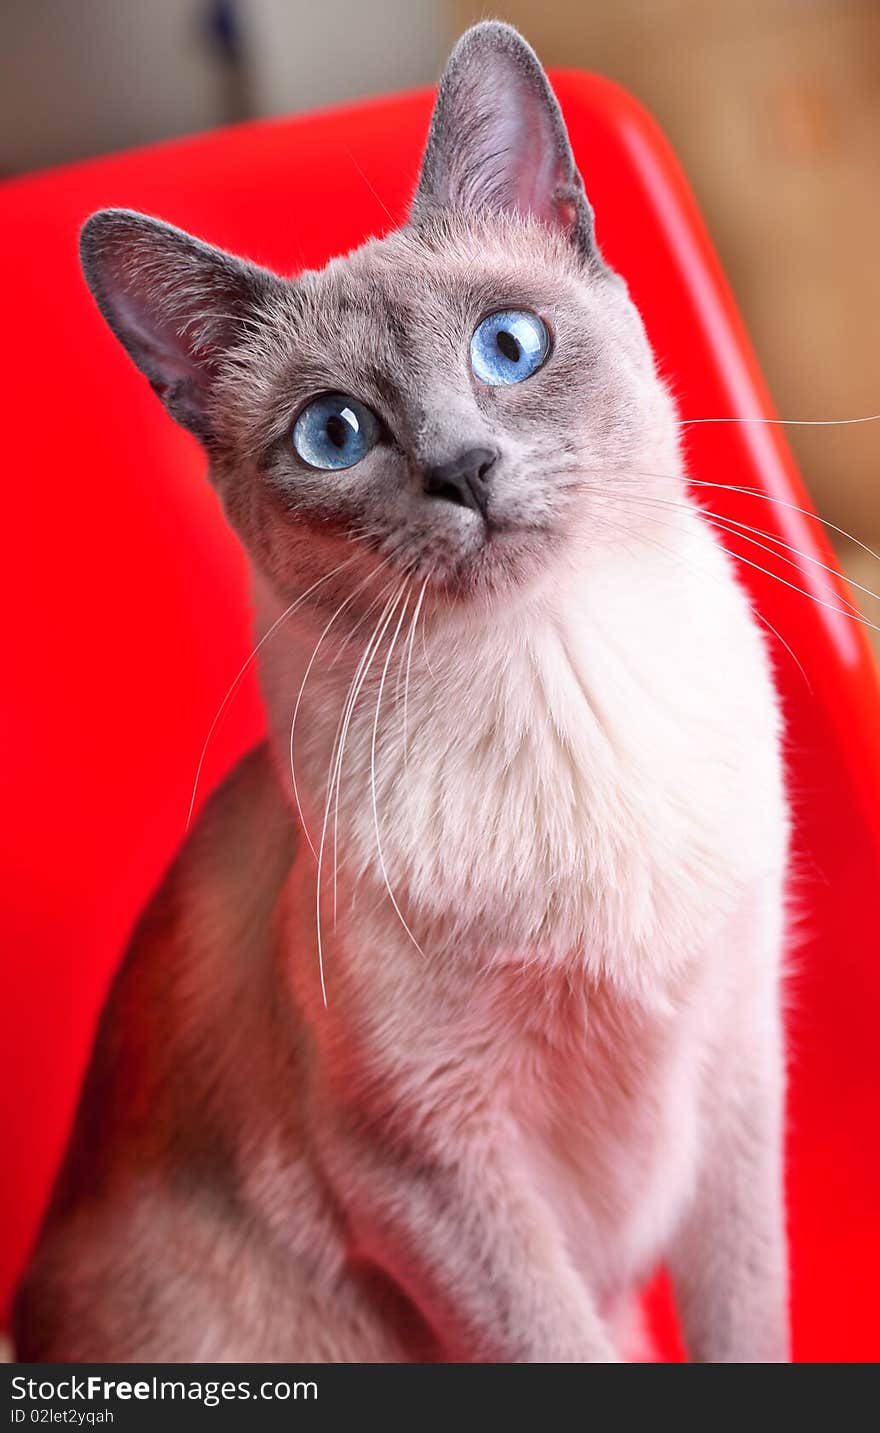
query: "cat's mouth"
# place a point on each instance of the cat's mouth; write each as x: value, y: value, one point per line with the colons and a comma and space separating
x: 502, y: 555
x: 469, y: 555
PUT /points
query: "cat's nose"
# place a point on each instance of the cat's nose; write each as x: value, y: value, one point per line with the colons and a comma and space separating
x: 463, y: 480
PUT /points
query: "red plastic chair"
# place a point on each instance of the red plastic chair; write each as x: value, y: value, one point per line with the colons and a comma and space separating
x: 127, y: 617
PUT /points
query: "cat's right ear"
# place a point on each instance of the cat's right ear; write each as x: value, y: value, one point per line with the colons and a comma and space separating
x: 176, y: 305
x: 498, y: 143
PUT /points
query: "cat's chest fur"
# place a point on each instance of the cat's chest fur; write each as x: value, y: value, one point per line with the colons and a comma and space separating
x: 604, y: 1097
x: 587, y: 789
x: 597, y: 772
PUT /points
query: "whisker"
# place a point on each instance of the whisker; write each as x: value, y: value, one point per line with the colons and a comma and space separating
x: 346, y: 721
x: 373, y: 783
x: 806, y: 556
x: 681, y: 480
x: 411, y: 643
x: 840, y: 611
x: 686, y: 479
x: 426, y: 657
x: 785, y: 422
x: 398, y: 685
x: 338, y: 750
x: 790, y: 650
x: 364, y: 615
x: 735, y: 528
x: 244, y: 666
x: 378, y: 198
x: 340, y: 609
x: 348, y: 708
x: 680, y: 557
x: 372, y: 647
x: 811, y: 596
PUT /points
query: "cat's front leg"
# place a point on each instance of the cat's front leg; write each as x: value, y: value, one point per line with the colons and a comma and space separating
x: 474, y: 1249
x: 729, y: 1260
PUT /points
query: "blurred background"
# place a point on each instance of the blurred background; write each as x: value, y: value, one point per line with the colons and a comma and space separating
x: 773, y: 107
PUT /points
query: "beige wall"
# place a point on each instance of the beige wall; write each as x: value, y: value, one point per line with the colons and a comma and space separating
x: 303, y: 53
x: 83, y: 77
x: 80, y: 77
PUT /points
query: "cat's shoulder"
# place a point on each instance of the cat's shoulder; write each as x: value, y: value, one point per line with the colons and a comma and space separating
x: 198, y: 959
x: 182, y: 1007
x: 229, y: 871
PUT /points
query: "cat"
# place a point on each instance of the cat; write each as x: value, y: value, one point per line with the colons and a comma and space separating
x: 459, y: 1010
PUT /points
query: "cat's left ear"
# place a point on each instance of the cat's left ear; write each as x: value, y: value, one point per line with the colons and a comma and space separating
x: 498, y: 141
x: 177, y: 306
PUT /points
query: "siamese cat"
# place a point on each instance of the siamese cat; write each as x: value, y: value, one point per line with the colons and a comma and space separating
x: 459, y: 1010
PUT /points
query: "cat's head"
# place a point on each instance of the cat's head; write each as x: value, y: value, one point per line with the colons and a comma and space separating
x: 449, y: 402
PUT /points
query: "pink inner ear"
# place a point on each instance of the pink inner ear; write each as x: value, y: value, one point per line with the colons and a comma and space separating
x: 535, y: 169
x: 566, y: 213
x: 169, y: 349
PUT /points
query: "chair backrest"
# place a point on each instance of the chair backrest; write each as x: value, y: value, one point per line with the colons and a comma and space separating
x: 127, y: 618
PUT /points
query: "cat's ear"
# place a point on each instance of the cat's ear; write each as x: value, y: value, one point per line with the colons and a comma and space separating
x: 498, y: 140
x: 175, y: 304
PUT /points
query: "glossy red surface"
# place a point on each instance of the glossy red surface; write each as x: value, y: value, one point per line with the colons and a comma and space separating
x: 126, y: 619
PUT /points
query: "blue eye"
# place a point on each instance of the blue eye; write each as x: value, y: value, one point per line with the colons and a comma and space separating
x: 335, y: 431
x: 508, y: 347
